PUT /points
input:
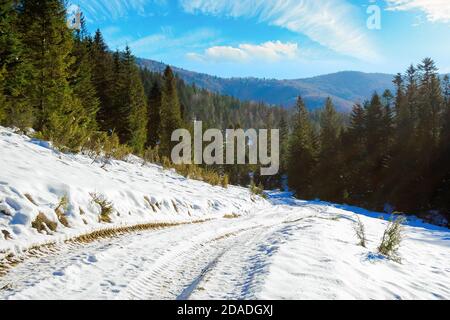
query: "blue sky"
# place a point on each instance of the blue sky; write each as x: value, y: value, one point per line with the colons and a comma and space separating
x: 282, y: 39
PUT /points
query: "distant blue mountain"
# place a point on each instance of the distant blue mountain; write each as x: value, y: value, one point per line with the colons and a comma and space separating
x: 345, y: 88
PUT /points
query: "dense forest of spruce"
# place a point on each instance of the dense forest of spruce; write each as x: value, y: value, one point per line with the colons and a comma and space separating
x: 396, y: 149
x: 73, y: 90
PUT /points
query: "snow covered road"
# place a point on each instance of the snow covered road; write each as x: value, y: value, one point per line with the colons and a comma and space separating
x: 169, y: 263
x: 277, y: 249
x: 295, y: 250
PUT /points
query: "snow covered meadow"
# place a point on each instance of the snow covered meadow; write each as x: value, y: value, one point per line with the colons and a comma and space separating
x: 245, y: 248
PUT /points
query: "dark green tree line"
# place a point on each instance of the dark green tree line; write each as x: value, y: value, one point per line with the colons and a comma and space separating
x: 394, y: 151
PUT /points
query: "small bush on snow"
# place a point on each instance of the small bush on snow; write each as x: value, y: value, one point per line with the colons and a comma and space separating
x: 30, y: 198
x: 42, y: 223
x: 105, y: 147
x: 106, y: 207
x: 61, y: 209
x: 257, y: 190
x: 360, y: 232
x: 392, y: 238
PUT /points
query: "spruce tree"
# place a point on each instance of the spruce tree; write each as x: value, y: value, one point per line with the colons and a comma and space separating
x: 170, y: 112
x: 328, y: 178
x: 284, y: 144
x: 400, y: 177
x: 154, y: 115
x: 302, y: 153
x: 355, y: 153
x: 430, y: 103
x: 377, y: 124
x: 441, y: 200
x: 2, y: 96
x: 15, y: 70
x: 132, y: 129
x: 81, y: 77
x: 48, y: 44
x: 103, y: 79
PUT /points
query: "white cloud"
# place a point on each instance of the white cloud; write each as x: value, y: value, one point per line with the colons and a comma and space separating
x: 435, y: 10
x: 328, y: 22
x: 268, y: 51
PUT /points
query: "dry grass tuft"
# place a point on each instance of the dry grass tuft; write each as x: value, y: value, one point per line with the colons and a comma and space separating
x: 6, y: 235
x: 175, y: 206
x: 106, y: 207
x: 30, y: 198
x: 42, y: 223
x: 231, y: 216
x: 257, y: 190
x: 147, y: 199
x: 60, y: 210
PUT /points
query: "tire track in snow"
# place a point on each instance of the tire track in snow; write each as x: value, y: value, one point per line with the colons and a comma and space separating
x: 230, y: 255
x: 178, y: 273
x: 158, y: 264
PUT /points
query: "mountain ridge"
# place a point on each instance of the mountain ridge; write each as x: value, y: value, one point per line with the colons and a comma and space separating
x: 344, y: 87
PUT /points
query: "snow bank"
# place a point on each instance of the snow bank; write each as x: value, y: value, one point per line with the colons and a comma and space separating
x: 34, y: 178
x: 322, y: 260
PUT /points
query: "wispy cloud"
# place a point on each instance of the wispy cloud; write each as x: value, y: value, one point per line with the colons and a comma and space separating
x: 115, y: 9
x: 268, y: 51
x: 166, y: 40
x: 435, y: 10
x: 331, y: 23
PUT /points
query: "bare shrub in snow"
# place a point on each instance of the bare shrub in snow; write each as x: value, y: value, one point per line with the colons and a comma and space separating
x: 30, y: 198
x: 231, y: 216
x: 360, y: 232
x: 106, y: 147
x: 151, y: 155
x: 106, y: 207
x: 225, y: 181
x: 257, y: 190
x: 150, y: 203
x: 61, y: 209
x: 42, y: 223
x: 392, y: 238
x: 6, y: 235
x: 192, y: 171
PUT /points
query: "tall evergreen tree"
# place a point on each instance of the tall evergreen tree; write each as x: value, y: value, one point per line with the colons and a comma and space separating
x: 329, y: 176
x: 302, y: 153
x: 378, y: 131
x: 15, y: 69
x: 284, y: 144
x: 170, y: 111
x: 81, y: 76
x: 430, y: 103
x: 442, y: 197
x: 154, y: 115
x: 412, y: 92
x: 355, y: 154
x: 48, y: 43
x: 103, y: 79
x: 133, y: 104
x: 2, y: 96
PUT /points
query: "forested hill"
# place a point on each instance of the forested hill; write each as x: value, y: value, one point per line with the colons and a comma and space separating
x: 345, y: 88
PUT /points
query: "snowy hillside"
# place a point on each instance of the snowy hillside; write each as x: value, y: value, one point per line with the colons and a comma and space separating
x: 34, y: 178
x: 245, y: 248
